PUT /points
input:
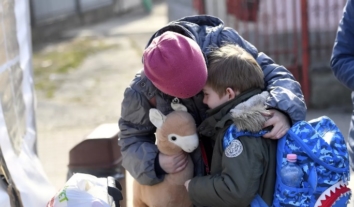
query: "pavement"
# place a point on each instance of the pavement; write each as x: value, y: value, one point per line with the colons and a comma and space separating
x: 92, y: 94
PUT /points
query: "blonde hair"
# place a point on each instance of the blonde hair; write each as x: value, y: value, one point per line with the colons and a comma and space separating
x: 230, y: 66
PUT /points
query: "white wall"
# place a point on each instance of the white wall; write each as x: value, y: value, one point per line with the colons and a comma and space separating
x: 179, y: 8
x: 17, y: 115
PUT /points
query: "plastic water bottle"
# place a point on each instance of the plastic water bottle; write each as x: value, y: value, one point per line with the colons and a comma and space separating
x: 291, y: 174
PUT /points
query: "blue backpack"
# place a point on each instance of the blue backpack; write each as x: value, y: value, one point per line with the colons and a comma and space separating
x: 322, y: 154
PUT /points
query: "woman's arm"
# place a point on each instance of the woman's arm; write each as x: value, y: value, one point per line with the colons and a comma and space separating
x: 342, y: 60
x: 137, y: 139
x: 285, y: 92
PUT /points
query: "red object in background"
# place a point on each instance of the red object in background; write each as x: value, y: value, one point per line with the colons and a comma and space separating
x: 244, y: 10
x: 199, y: 6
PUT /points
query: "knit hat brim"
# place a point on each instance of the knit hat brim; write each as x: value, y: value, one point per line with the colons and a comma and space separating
x: 175, y: 64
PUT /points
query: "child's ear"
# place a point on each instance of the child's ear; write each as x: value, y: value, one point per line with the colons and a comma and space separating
x: 231, y: 93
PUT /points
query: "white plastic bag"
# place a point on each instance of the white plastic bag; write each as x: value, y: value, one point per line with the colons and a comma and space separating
x: 82, y: 190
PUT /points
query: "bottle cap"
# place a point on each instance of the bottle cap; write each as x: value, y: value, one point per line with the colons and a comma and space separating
x: 291, y: 156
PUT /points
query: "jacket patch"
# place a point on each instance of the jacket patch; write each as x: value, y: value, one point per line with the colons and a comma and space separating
x: 234, y: 149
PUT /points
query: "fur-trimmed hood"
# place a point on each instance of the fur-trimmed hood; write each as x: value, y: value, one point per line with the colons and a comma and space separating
x: 249, y: 115
x: 245, y: 110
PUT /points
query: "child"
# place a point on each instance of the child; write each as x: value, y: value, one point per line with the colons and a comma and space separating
x: 242, y: 168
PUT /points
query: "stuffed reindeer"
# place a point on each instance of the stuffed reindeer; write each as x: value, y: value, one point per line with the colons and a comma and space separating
x: 175, y: 132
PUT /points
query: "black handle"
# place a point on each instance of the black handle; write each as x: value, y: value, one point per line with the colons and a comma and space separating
x: 114, y: 190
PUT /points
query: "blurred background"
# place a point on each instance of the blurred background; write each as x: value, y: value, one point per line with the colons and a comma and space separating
x: 85, y: 52
x: 297, y: 34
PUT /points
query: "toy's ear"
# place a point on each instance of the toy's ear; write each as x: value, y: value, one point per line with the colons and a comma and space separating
x: 178, y: 107
x: 156, y: 118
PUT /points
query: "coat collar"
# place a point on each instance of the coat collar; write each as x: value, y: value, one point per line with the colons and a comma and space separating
x: 219, y: 116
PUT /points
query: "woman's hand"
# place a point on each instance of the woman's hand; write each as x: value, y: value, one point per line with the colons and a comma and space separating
x: 279, y: 122
x: 173, y: 163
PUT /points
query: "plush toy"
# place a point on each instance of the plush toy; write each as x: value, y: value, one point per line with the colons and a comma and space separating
x: 175, y: 132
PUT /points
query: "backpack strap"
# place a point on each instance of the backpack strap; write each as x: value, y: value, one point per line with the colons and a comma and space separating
x: 258, y: 202
x: 233, y: 133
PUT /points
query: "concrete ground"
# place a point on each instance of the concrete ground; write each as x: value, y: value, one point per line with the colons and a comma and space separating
x: 92, y: 94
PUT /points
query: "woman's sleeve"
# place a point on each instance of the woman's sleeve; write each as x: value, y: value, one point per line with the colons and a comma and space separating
x: 137, y: 139
x: 342, y: 61
x: 285, y: 91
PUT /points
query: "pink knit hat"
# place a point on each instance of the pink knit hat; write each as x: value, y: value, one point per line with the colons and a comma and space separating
x: 175, y: 65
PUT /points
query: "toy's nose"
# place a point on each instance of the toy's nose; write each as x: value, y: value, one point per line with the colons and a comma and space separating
x: 190, y: 143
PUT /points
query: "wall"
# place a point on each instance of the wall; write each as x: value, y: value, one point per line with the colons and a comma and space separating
x: 180, y: 8
x: 23, y: 170
x: 50, y: 29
